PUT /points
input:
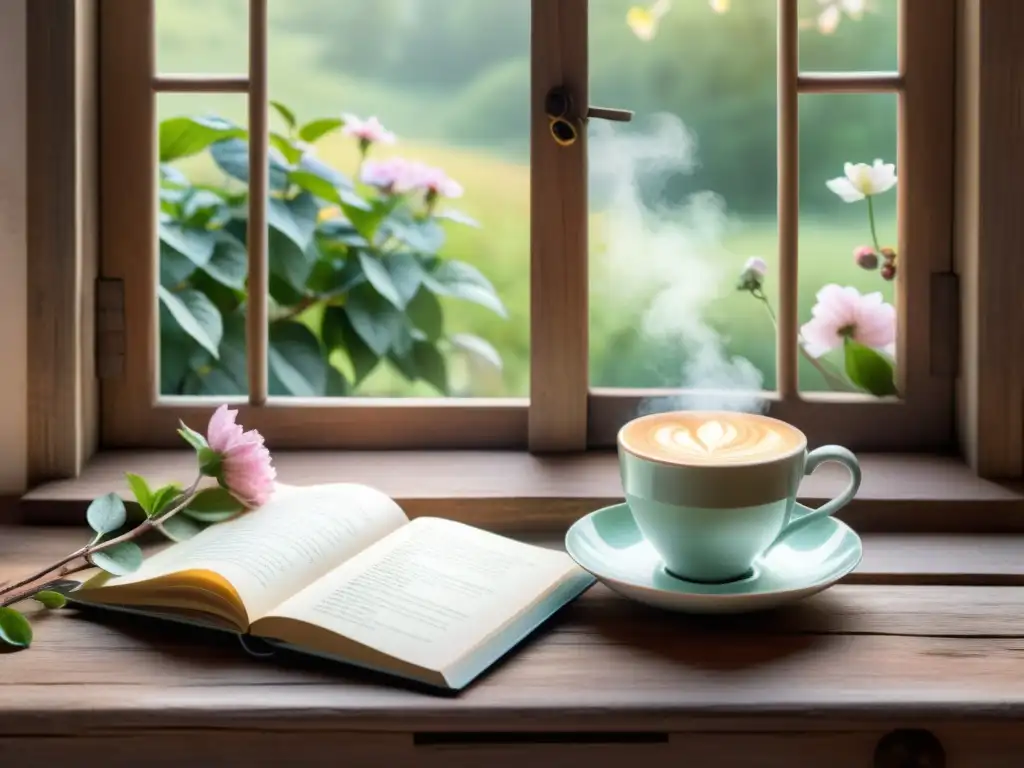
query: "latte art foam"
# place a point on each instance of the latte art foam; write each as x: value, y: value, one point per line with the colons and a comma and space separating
x: 709, y: 438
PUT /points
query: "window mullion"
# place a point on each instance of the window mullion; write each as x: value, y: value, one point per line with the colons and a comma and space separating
x: 559, y: 287
x: 259, y: 137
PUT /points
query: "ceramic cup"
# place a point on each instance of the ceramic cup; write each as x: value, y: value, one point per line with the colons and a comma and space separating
x: 709, y: 520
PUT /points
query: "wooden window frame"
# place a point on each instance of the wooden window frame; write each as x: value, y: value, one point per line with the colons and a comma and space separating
x: 563, y: 413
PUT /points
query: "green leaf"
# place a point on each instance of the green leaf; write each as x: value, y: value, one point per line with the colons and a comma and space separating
x: 175, y: 267
x: 338, y: 333
x: 192, y: 437
x: 406, y: 273
x: 426, y: 314
x: 229, y: 264
x: 197, y: 316
x: 337, y: 384
x: 477, y: 347
x: 326, y: 190
x: 106, y: 514
x: 120, y: 559
x: 289, y: 151
x: 187, y: 136
x: 194, y: 244
x: 50, y: 599
x: 367, y: 222
x: 869, y: 370
x: 316, y: 129
x: 179, y: 527
x: 213, y: 505
x: 458, y: 217
x: 175, y: 349
x: 141, y: 491
x: 295, y: 219
x: 430, y: 365
x: 464, y: 281
x: 227, y: 375
x: 378, y: 323
x: 297, y: 363
x: 164, y: 497
x: 14, y: 628
x: 232, y: 157
x: 380, y: 278
x: 286, y: 114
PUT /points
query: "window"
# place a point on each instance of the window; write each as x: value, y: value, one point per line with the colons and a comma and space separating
x: 249, y: 272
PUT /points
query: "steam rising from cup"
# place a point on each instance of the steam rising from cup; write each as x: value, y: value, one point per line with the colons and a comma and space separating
x: 670, y: 258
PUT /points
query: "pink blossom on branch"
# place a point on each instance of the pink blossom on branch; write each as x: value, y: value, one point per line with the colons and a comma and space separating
x: 395, y: 175
x: 843, y: 313
x: 246, y: 469
x: 369, y: 131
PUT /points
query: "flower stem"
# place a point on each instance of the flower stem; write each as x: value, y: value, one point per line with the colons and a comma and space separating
x: 832, y: 378
x: 91, y: 548
x: 871, y: 220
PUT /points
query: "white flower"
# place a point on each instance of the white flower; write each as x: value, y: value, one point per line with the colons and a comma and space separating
x: 644, y: 21
x: 756, y: 264
x: 863, y: 180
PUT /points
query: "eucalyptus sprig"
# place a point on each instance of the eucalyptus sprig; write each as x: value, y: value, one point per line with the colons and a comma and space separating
x: 244, y: 475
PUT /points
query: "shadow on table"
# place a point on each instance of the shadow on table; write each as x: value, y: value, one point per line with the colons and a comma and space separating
x: 720, y: 643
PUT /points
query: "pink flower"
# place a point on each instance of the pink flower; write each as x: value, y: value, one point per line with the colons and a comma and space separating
x: 843, y: 313
x: 395, y: 175
x: 369, y: 131
x: 437, y: 183
x: 246, y: 468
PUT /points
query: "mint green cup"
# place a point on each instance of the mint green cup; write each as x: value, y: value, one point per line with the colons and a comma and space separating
x: 710, y: 522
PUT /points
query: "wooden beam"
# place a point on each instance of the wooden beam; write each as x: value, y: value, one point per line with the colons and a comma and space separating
x: 559, y: 318
x: 990, y: 235
x: 62, y: 235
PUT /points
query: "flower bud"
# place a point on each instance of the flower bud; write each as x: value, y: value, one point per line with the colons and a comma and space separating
x: 889, y: 255
x: 865, y: 257
x: 888, y: 271
x: 752, y: 276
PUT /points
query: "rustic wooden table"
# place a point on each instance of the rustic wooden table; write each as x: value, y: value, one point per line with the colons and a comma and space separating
x: 607, y: 682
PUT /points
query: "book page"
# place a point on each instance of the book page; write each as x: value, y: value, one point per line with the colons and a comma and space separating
x: 429, y: 593
x: 271, y: 553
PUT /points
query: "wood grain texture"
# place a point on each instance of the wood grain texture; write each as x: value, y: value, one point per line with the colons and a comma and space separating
x: 856, y: 421
x: 606, y: 681
x: 995, y: 560
x: 257, y: 284
x: 855, y: 654
x: 559, y: 319
x: 990, y: 235
x: 499, y: 489
x: 61, y: 130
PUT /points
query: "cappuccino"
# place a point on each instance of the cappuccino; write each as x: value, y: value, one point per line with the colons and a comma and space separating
x: 710, y: 438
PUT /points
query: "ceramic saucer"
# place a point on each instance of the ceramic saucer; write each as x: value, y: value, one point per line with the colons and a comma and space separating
x: 609, y: 545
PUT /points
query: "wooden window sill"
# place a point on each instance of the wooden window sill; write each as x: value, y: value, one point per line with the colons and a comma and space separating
x: 817, y: 683
x: 520, y: 491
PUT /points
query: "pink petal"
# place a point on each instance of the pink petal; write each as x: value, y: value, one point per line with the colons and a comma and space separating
x: 222, y: 430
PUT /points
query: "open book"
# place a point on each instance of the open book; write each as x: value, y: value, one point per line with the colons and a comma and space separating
x: 339, y: 571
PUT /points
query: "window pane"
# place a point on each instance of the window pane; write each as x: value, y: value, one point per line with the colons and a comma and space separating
x: 202, y: 256
x: 849, y: 35
x: 427, y: 291
x: 210, y: 36
x: 683, y: 197
x: 839, y: 245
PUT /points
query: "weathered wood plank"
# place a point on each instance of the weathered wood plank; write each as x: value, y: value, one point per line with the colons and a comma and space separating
x: 889, y: 558
x: 513, y: 490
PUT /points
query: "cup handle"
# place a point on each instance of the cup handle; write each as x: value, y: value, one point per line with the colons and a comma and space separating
x: 800, y: 515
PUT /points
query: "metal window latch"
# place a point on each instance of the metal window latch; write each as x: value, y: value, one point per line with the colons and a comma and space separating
x: 564, y: 121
